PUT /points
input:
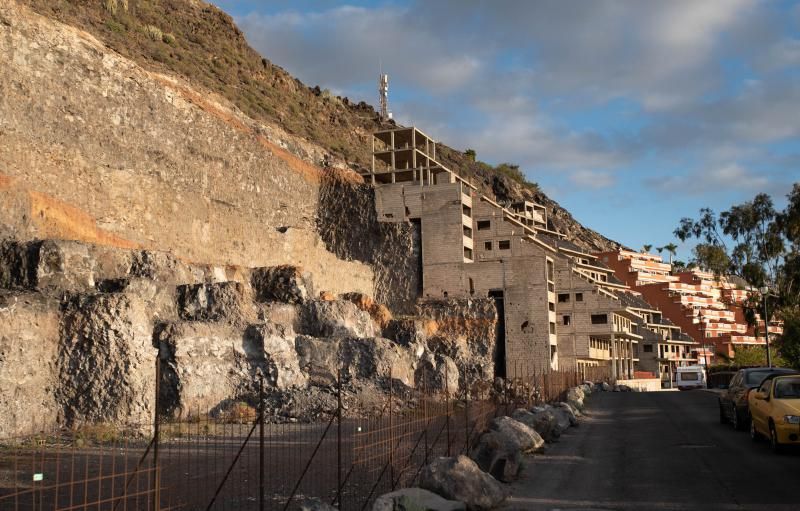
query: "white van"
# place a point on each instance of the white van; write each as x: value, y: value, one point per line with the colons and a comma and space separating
x: 690, y: 377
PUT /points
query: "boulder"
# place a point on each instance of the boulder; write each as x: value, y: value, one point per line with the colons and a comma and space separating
x: 338, y: 318
x: 575, y: 397
x: 461, y: 479
x: 586, y: 388
x: 602, y: 387
x: 376, y: 357
x: 287, y: 284
x: 544, y: 423
x: 437, y: 373
x: 622, y: 388
x: 524, y: 437
x: 415, y: 499
x: 210, y: 302
x: 499, y: 455
x: 565, y: 416
x: 562, y: 422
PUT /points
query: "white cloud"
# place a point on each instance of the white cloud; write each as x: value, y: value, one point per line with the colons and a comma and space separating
x: 592, y: 179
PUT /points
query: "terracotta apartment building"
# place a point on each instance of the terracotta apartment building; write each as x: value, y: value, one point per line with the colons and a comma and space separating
x: 708, y: 308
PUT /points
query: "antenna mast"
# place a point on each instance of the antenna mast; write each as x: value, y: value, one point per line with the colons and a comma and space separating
x: 383, y: 91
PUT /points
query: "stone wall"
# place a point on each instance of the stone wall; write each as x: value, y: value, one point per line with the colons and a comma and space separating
x: 94, y: 148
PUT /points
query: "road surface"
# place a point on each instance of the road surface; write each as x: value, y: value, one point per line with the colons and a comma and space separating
x: 658, y: 451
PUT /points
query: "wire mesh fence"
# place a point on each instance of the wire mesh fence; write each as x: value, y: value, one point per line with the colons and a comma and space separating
x: 204, y: 460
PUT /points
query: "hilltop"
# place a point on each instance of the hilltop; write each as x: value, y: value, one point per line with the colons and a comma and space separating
x: 202, y: 45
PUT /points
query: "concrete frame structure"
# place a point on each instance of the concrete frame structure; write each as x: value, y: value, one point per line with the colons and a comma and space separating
x: 474, y: 247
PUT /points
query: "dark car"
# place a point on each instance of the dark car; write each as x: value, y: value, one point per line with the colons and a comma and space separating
x: 733, y: 405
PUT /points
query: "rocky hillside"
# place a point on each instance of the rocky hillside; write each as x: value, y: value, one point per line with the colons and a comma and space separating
x: 202, y: 45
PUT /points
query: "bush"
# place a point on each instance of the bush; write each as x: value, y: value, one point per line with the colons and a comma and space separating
x: 168, y: 38
x: 153, y: 32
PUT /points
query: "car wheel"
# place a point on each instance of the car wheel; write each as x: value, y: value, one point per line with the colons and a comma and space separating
x: 723, y: 419
x: 736, y: 419
x: 776, y: 446
x: 753, y: 432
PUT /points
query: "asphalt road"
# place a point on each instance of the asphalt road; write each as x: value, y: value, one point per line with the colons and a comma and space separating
x: 658, y: 451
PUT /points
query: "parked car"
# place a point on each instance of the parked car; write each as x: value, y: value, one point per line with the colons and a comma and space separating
x: 733, y: 405
x: 690, y: 377
x: 775, y: 411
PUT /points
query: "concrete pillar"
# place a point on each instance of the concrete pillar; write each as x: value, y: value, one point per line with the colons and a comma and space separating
x: 613, y: 357
x: 630, y: 358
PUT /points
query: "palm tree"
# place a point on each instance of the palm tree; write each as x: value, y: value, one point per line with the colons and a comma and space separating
x: 646, y: 248
x: 672, y: 248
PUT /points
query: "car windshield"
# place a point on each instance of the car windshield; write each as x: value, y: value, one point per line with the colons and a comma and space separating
x: 756, y: 377
x: 788, y: 388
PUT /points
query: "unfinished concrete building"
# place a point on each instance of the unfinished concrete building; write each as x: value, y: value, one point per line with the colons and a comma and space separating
x: 558, y: 306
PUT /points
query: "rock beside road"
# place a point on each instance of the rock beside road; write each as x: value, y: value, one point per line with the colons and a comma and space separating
x: 524, y: 437
x: 415, y: 499
x: 461, y: 479
x: 570, y: 413
x: 543, y: 422
x: 498, y: 455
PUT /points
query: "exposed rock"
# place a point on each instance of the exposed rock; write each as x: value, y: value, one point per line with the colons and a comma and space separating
x: 106, y: 360
x: 461, y: 479
x: 602, y: 387
x: 282, y: 367
x: 621, y: 388
x: 437, y: 373
x: 524, y: 437
x: 560, y: 420
x: 51, y: 266
x: 318, y: 358
x: 29, y: 342
x: 499, y: 455
x: 287, y: 284
x: 336, y: 319
x: 370, y: 358
x: 378, y: 312
x: 205, y: 365
x: 465, y: 331
x: 415, y: 499
x: 406, y: 331
x: 211, y: 302
x: 543, y: 422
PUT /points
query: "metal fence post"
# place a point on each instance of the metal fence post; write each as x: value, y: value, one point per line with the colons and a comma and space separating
x: 261, y: 475
x: 339, y: 434
x: 156, y: 482
x: 391, y: 428
x: 447, y: 406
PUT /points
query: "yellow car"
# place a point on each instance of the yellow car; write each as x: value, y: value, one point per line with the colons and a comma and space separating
x: 775, y: 411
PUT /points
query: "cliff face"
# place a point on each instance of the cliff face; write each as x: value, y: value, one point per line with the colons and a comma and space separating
x: 95, y: 148
x: 201, y: 44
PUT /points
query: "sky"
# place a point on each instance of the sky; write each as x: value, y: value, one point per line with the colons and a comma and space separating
x: 630, y: 114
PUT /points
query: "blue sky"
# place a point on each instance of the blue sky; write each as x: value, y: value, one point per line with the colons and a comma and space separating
x: 630, y: 114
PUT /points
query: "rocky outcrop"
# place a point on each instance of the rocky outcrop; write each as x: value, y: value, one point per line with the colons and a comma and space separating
x: 29, y: 346
x: 106, y: 361
x: 415, y: 499
x: 464, y: 330
x: 461, y: 479
x: 286, y: 284
x: 211, y: 302
x: 350, y: 229
x: 338, y: 318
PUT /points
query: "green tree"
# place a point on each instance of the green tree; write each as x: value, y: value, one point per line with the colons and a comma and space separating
x: 788, y: 343
x: 471, y: 154
x: 646, y: 248
x: 745, y: 356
